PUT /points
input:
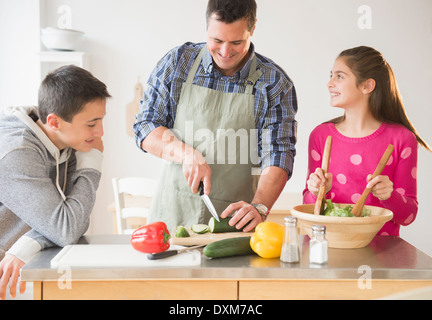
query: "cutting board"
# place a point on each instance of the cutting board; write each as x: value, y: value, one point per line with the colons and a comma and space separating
x: 119, y: 255
x: 205, y: 238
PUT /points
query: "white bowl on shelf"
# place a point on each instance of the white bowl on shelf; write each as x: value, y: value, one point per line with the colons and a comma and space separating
x: 62, y: 39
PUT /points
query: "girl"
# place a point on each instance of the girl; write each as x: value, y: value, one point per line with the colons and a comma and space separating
x: 363, y: 84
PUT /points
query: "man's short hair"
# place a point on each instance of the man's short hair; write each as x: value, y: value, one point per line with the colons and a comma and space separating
x: 229, y: 11
x: 66, y: 91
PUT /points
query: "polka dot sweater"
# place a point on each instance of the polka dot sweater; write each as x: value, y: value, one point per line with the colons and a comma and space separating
x: 352, y: 159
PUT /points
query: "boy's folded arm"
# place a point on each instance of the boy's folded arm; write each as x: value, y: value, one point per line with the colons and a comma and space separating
x: 28, y: 191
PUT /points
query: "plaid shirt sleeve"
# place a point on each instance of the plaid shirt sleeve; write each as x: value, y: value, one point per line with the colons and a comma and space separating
x: 276, y: 102
x: 157, y: 108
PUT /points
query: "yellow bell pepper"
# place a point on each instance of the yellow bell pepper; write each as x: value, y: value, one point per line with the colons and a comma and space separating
x: 267, y: 239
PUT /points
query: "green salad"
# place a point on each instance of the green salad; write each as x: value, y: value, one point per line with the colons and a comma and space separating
x: 337, y: 210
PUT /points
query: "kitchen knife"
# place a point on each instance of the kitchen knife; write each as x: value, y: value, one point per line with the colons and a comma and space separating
x: 169, y: 253
x: 207, y: 201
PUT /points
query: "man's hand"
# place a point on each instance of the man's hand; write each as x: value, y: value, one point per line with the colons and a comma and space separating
x: 270, y: 185
x: 195, y: 170
x: 162, y: 143
x: 10, y: 268
x: 246, y: 215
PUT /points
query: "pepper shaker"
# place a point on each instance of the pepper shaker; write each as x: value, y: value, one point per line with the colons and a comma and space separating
x: 318, y: 245
x: 290, y: 247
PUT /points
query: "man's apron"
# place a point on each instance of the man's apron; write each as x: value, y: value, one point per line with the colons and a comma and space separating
x: 222, y: 127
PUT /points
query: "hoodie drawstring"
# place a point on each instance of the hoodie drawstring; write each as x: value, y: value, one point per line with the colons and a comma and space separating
x: 65, y: 176
x: 57, y: 178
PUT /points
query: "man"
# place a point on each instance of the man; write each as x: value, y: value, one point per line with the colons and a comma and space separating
x: 201, y: 97
x: 50, y: 167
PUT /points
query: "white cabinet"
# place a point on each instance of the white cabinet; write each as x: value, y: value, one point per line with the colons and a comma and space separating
x: 79, y: 59
x: 51, y: 60
x: 57, y: 16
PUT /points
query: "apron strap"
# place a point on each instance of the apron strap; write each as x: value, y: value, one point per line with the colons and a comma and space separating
x: 253, y: 77
x: 195, y: 66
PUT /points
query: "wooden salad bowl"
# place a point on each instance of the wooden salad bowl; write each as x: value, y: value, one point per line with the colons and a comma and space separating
x: 343, y: 232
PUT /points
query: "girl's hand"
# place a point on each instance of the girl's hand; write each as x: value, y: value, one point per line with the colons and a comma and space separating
x: 316, y: 179
x: 382, y: 187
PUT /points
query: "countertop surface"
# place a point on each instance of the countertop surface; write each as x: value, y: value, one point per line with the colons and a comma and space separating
x: 386, y: 257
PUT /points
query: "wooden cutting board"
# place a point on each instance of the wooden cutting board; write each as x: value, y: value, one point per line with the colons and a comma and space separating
x: 205, y: 238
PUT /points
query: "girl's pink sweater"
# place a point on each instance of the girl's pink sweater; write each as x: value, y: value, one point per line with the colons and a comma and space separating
x: 352, y: 159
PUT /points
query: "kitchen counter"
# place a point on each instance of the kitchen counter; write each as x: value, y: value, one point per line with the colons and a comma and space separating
x: 387, y: 266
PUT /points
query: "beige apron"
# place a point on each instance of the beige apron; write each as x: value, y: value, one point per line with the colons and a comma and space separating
x: 222, y: 127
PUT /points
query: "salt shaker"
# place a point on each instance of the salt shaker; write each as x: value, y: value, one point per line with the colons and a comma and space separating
x: 290, y: 247
x: 318, y: 245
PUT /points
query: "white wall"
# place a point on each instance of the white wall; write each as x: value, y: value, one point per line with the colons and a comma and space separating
x: 126, y: 38
x: 19, y: 44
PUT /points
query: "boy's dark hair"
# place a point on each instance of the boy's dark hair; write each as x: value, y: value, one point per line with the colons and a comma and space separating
x: 229, y: 11
x: 66, y: 90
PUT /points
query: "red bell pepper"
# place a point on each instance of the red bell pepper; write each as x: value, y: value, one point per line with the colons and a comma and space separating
x: 151, y: 238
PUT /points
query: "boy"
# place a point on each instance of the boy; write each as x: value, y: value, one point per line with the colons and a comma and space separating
x: 50, y: 167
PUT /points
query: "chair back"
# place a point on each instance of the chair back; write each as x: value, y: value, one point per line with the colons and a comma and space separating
x: 132, y: 197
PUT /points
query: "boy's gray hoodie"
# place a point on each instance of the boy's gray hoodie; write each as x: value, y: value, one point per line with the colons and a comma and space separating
x: 46, y: 195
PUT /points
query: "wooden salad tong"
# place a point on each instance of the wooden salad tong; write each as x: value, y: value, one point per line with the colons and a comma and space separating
x: 358, y: 207
x: 320, y: 202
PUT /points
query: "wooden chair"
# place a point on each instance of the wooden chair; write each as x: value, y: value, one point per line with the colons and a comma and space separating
x: 132, y: 197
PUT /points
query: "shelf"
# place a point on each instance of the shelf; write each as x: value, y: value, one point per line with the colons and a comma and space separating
x: 76, y: 57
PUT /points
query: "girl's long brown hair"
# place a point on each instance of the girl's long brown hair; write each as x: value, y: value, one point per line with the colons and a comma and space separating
x: 385, y: 101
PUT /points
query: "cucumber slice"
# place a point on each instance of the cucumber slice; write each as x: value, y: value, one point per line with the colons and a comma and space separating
x: 181, y: 232
x: 200, y: 228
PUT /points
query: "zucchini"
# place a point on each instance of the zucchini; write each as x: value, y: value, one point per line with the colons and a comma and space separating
x: 222, y: 226
x: 228, y: 247
x: 181, y: 232
x: 200, y: 228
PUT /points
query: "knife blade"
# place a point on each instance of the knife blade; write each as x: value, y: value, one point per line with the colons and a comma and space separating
x: 169, y: 253
x: 208, y: 202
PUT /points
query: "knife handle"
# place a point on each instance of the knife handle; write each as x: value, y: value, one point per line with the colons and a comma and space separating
x: 161, y: 255
x: 201, y: 188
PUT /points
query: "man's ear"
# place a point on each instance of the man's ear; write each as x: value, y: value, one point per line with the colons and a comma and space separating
x: 53, y: 121
x: 368, y: 86
x: 253, y: 29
